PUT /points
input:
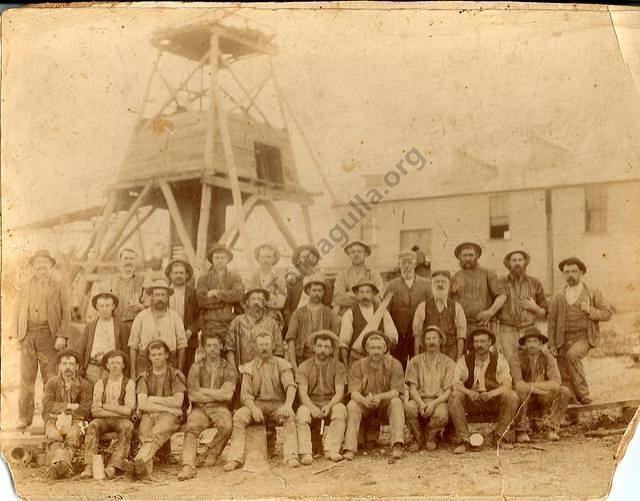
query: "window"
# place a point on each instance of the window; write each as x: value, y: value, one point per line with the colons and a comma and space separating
x: 595, y: 209
x: 499, y: 217
x: 268, y: 163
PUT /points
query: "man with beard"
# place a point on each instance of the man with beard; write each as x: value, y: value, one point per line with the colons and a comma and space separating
x: 408, y: 290
x: 430, y: 377
x: 267, y: 256
x: 356, y: 318
x: 43, y: 318
x: 321, y: 381
x: 128, y: 287
x: 184, y: 302
x: 343, y: 296
x: 161, y: 393
x: 307, y: 319
x: 574, y: 325
x: 157, y: 322
x: 240, y: 342
x: 537, y: 382
x: 482, y: 385
x: 101, y: 336
x: 114, y: 399
x: 477, y: 289
x: 267, y: 394
x: 66, y: 402
x: 376, y: 385
x: 211, y: 384
x: 525, y: 302
x: 443, y: 312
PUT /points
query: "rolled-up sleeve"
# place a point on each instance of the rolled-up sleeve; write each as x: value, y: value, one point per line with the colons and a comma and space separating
x: 418, y: 319
x: 461, y: 371
x: 346, y: 329
x: 461, y: 321
x: 495, y: 285
x: 130, y: 395
x: 397, y: 377
x: 411, y: 376
x: 287, y: 379
x: 449, y: 374
x: 355, y: 378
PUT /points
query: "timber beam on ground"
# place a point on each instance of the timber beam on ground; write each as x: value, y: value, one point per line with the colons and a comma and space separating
x: 597, y: 406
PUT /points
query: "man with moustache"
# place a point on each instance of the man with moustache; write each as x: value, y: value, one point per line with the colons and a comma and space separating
x: 43, y: 318
x: 443, y: 312
x: 376, y: 385
x: 184, y: 302
x: 343, y: 295
x: 66, y: 402
x: 356, y: 318
x: 267, y: 256
x: 267, y: 395
x: 114, y: 399
x: 321, y: 381
x: 482, y: 384
x: 536, y: 379
x: 157, y: 322
x: 477, y: 289
x: 101, y: 336
x: 525, y: 302
x: 307, y: 319
x: 128, y: 287
x: 408, y: 290
x: 430, y: 377
x: 573, y: 326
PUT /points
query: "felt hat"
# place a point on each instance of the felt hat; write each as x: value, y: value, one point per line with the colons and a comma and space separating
x: 113, y: 353
x: 187, y: 266
x: 155, y: 343
x: 480, y: 330
x: 68, y: 353
x: 314, y: 278
x: 371, y: 334
x: 219, y: 248
x: 464, y: 245
x: 444, y: 273
x: 367, y: 249
x: 302, y: 248
x: 42, y: 253
x: 533, y: 332
x: 365, y: 281
x: 407, y: 253
x: 248, y: 292
x: 324, y: 332
x: 94, y: 299
x: 275, y: 250
x: 572, y: 260
x: 158, y: 284
x: 527, y: 257
x: 437, y: 329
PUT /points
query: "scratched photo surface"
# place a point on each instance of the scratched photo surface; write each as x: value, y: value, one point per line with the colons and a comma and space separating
x: 227, y: 138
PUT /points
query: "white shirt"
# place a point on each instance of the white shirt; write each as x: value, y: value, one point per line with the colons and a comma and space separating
x: 176, y: 301
x: 503, y: 374
x: 346, y: 326
x: 572, y: 293
x: 409, y: 282
x: 104, y: 340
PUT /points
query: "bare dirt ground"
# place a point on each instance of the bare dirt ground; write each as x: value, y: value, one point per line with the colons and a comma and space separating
x: 576, y: 466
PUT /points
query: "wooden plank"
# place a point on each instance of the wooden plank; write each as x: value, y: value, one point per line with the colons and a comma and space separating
x: 614, y: 404
x: 98, y: 236
x: 247, y: 94
x: 128, y: 235
x: 307, y: 223
x: 282, y: 226
x: 228, y: 237
x: 172, y: 205
x: 256, y: 449
x: 147, y: 90
x: 203, y: 223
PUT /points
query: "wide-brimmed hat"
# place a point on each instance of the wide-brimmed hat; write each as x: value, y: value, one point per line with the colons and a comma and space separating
x: 363, y: 282
x: 300, y: 249
x: 248, y: 292
x: 275, y: 250
x: 367, y: 249
x: 42, y: 253
x: 219, y: 248
x: 113, y: 353
x: 476, y: 332
x: 324, y: 332
x: 464, y: 245
x: 371, y: 334
x: 94, y: 299
x: 187, y: 267
x: 314, y: 278
x: 158, y: 284
x: 444, y: 273
x: 573, y: 260
x: 68, y: 353
x: 435, y: 328
x: 533, y: 332
x: 507, y: 257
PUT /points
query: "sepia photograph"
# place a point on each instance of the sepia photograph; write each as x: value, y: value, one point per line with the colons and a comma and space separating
x: 319, y: 250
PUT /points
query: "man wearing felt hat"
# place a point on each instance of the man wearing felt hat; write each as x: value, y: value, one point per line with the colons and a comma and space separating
x: 357, y: 317
x: 307, y: 319
x: 376, y: 385
x: 114, y: 399
x: 536, y: 379
x: 343, y: 295
x: 219, y: 292
x: 430, y: 377
x: 267, y: 255
x: 157, y: 322
x: 321, y: 381
x: 101, y: 335
x: 128, y: 287
x: 43, y: 317
x: 66, y: 402
x: 184, y: 301
x: 442, y: 311
x: 477, y: 289
x: 482, y: 384
x: 573, y: 325
x: 525, y: 302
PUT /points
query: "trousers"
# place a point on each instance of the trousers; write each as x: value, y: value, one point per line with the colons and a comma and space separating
x: 199, y: 420
x: 154, y: 431
x: 392, y: 410
x: 505, y: 406
x: 554, y: 404
x: 507, y: 340
x: 62, y: 447
x: 576, y: 346
x: 419, y: 424
x: 97, y: 427
x: 335, y: 432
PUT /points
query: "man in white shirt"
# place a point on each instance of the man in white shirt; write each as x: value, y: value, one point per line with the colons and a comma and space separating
x: 483, y: 385
x: 356, y: 318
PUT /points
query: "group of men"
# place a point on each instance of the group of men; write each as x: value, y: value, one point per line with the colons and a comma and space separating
x: 292, y: 351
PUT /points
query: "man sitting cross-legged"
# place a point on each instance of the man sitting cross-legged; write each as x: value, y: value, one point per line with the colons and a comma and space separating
x: 114, y: 398
x: 211, y: 384
x: 321, y: 381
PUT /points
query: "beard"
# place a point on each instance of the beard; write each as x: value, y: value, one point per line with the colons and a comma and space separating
x: 440, y: 293
x: 322, y: 356
x: 159, y: 305
x: 517, y: 270
x: 572, y: 281
x: 468, y: 265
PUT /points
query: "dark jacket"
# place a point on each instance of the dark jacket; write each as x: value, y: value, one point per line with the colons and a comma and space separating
x: 55, y: 398
x: 85, y: 344
x: 191, y: 314
x: 58, y: 309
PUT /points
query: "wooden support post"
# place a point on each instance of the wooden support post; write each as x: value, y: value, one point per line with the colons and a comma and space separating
x: 282, y: 226
x: 128, y: 235
x: 307, y: 223
x: 247, y: 94
x: 147, y: 90
x: 550, y: 259
x: 140, y: 239
x: 172, y: 205
x: 101, y: 231
x: 230, y: 235
x: 203, y: 223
